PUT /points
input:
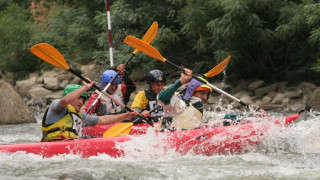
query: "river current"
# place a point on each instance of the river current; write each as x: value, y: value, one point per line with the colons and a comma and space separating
x: 290, y: 154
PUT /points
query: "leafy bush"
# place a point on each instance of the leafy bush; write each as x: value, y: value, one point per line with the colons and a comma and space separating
x: 16, y: 31
x: 268, y: 39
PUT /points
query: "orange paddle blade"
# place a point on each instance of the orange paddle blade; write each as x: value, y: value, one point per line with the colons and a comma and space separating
x: 150, y: 35
x: 50, y: 54
x: 121, y: 129
x: 218, y: 68
x: 144, y: 47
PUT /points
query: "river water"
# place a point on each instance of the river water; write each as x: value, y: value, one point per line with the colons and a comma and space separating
x: 291, y: 154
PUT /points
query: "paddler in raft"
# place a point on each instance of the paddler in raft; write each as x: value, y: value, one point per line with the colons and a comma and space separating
x: 187, y: 109
x: 63, y: 119
x: 120, y: 89
x: 145, y: 102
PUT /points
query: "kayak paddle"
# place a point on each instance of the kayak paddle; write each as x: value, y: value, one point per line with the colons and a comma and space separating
x: 123, y: 129
x: 214, y: 71
x: 218, y: 68
x: 50, y: 54
x: 118, y: 130
x: 153, y: 52
x: 148, y: 38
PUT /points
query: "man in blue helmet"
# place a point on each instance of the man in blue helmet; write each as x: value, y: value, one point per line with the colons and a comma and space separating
x: 63, y: 119
x: 118, y: 91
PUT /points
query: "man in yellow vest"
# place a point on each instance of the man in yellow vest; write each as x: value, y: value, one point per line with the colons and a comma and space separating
x: 63, y: 119
x: 146, y: 100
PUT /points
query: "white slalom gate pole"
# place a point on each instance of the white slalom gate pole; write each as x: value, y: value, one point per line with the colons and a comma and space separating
x: 109, y: 31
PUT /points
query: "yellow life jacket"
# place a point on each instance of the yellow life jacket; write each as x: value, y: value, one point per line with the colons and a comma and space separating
x: 70, y: 126
x: 140, y: 101
x: 190, y: 118
x: 147, y: 100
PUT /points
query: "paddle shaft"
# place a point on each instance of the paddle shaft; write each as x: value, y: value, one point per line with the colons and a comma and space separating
x: 145, y: 119
x: 208, y: 84
x: 108, y: 85
x: 97, y: 88
x: 125, y: 128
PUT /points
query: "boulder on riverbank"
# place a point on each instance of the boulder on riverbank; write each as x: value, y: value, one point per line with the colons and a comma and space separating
x: 12, y: 107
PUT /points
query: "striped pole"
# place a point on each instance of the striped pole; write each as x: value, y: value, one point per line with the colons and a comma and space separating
x: 109, y: 31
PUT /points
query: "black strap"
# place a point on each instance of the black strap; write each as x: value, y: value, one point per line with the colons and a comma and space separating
x: 44, y: 135
x: 44, y: 119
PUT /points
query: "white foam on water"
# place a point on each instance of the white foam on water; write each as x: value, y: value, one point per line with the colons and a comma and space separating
x: 284, y: 153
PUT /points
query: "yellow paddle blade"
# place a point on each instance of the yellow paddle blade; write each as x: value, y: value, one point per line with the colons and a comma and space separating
x: 50, y: 54
x: 218, y: 68
x: 121, y: 129
x: 144, y: 47
x: 150, y: 35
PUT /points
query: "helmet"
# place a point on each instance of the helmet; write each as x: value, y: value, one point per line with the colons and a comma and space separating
x: 194, y: 86
x: 156, y: 76
x: 203, y: 87
x: 72, y: 87
x: 107, y: 76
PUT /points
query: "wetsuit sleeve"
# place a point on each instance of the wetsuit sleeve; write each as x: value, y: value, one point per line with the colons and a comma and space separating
x: 55, y: 112
x: 92, y: 98
x: 166, y: 94
x: 101, y: 110
x: 127, y: 87
x: 140, y: 101
x: 56, y: 106
x: 89, y: 120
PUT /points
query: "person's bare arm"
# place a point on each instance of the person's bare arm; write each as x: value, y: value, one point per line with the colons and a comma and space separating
x: 70, y: 97
x: 110, y: 119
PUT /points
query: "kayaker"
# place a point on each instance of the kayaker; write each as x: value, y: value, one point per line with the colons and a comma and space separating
x: 120, y: 92
x: 146, y: 100
x: 63, y: 119
x: 187, y: 109
x: 174, y: 105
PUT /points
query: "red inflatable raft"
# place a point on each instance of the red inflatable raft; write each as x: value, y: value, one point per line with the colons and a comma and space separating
x: 205, y: 141
x: 98, y: 130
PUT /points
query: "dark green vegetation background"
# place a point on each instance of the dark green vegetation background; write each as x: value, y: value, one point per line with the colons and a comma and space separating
x: 267, y: 39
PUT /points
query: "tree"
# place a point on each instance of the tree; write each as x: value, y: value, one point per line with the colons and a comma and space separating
x: 267, y: 39
x: 15, y: 34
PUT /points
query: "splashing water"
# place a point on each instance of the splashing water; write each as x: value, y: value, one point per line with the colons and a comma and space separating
x: 284, y: 153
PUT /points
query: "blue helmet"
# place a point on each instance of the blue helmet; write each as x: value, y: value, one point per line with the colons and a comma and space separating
x: 107, y: 76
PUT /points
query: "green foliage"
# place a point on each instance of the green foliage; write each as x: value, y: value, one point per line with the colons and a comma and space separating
x: 16, y: 32
x: 134, y: 18
x: 267, y: 39
x: 72, y: 32
x: 262, y: 36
